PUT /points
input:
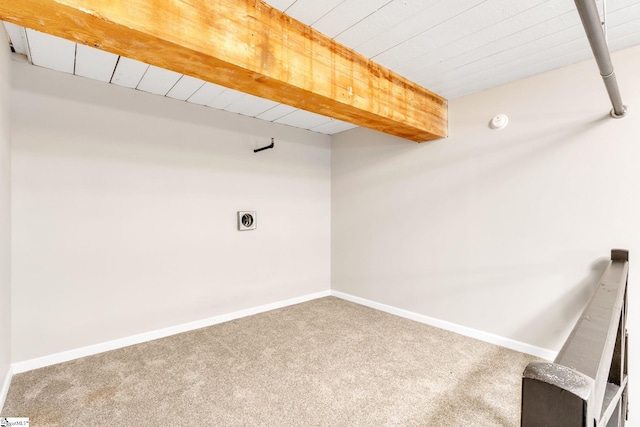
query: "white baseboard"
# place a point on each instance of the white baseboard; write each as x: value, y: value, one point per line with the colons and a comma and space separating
x: 462, y: 330
x: 41, y: 362
x: 66, y: 356
x: 5, y: 387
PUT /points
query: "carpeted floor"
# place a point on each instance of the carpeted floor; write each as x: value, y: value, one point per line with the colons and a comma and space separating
x: 326, y: 362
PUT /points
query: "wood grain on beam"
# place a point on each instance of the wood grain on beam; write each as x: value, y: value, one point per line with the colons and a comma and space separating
x: 249, y: 46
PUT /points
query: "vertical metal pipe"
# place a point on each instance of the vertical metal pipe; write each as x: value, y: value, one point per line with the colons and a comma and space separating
x: 593, y: 27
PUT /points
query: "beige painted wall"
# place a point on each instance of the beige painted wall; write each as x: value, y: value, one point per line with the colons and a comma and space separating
x: 5, y: 214
x: 501, y: 231
x: 125, y: 212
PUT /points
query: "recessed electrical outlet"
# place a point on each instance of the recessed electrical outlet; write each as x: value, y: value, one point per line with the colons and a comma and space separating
x: 246, y: 220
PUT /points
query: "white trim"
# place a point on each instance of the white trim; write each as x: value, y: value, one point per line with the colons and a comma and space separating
x: 462, y: 330
x: 65, y: 356
x: 5, y: 387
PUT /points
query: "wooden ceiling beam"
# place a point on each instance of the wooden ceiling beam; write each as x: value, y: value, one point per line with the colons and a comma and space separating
x: 249, y: 46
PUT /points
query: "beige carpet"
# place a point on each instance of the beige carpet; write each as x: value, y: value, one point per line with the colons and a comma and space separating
x: 327, y: 362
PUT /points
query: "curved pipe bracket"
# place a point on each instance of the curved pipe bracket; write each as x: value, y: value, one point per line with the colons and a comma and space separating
x: 265, y: 148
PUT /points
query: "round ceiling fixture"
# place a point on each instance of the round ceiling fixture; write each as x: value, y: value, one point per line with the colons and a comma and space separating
x: 499, y: 122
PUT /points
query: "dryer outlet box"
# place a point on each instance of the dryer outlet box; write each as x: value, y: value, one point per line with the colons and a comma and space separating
x: 246, y: 220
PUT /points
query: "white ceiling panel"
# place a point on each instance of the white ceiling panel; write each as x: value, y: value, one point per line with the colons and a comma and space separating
x: 129, y: 72
x: 523, y: 67
x: 250, y: 105
x: 452, y: 47
x: 617, y: 14
x: 623, y: 28
x: 281, y: 5
x: 185, y: 88
x: 309, y: 12
x: 624, y: 34
x: 226, y: 98
x: 382, y: 20
x: 413, y: 26
x: 516, y: 45
x: 51, y: 52
x: 276, y: 112
x: 347, y: 14
x: 528, y: 25
x: 547, y: 48
x: 18, y: 37
x: 569, y: 51
x: 334, y: 126
x: 303, y: 119
x: 207, y: 93
x: 485, y: 15
x: 95, y: 63
x: 158, y: 80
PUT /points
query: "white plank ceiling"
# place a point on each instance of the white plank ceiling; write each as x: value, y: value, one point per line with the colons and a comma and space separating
x: 451, y: 47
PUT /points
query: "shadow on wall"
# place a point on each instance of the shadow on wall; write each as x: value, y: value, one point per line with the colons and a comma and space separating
x: 162, y: 134
x: 383, y: 153
x: 54, y: 84
x: 567, y: 305
x: 100, y: 111
x: 537, y: 293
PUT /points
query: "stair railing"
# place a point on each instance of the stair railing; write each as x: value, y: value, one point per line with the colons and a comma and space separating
x: 587, y: 383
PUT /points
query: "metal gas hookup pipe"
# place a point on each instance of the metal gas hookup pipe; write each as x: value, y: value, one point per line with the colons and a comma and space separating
x: 593, y: 27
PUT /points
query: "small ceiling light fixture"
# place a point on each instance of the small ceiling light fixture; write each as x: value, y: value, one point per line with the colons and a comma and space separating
x: 499, y: 122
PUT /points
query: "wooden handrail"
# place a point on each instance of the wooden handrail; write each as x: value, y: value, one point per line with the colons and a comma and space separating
x: 586, y: 385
